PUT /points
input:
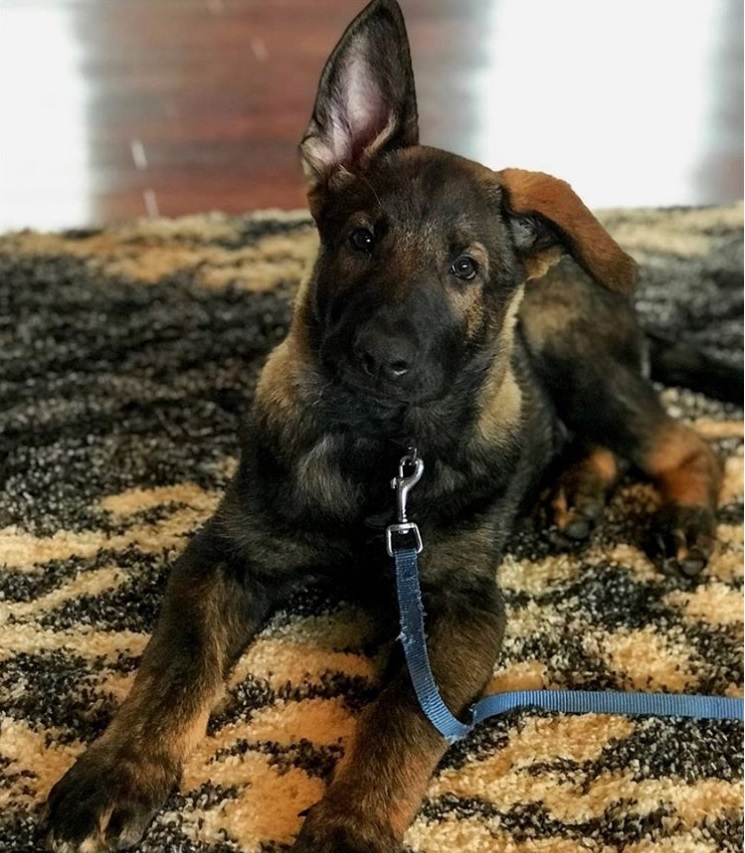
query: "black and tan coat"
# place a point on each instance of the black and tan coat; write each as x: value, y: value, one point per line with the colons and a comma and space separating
x: 438, y: 315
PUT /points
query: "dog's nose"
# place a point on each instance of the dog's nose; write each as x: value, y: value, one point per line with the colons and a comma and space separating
x: 385, y: 357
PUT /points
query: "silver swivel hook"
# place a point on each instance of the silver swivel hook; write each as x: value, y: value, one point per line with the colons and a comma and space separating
x: 403, y: 484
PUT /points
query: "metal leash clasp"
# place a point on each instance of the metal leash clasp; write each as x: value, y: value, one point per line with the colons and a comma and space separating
x: 403, y: 484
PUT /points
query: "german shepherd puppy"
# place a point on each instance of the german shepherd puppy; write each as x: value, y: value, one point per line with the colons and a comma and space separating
x: 428, y: 321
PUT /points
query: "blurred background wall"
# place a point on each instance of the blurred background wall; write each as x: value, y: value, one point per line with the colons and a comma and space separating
x: 112, y: 109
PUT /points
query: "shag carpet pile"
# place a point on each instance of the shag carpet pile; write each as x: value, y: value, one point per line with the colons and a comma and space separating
x: 127, y: 357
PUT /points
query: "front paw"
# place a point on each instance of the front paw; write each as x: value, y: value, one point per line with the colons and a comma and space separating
x: 104, y: 802
x: 324, y: 832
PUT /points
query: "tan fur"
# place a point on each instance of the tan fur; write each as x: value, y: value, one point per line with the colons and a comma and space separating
x: 318, y: 476
x: 467, y: 301
x: 582, y: 488
x: 543, y: 325
x: 501, y: 398
x: 592, y: 246
x: 605, y: 464
x: 684, y: 467
x: 288, y: 379
x: 538, y: 266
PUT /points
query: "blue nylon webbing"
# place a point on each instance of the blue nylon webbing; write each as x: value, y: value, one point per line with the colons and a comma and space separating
x: 569, y: 701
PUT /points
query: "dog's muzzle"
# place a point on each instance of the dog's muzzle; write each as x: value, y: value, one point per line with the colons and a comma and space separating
x: 392, y: 353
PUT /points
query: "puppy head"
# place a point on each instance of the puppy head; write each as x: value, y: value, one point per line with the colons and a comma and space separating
x: 423, y: 253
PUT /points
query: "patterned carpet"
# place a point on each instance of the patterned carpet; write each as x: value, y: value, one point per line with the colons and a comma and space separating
x: 126, y: 359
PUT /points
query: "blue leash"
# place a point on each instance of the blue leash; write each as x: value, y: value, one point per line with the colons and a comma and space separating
x: 568, y: 701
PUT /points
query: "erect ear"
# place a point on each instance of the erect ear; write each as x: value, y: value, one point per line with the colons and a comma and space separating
x: 366, y: 101
x: 547, y: 219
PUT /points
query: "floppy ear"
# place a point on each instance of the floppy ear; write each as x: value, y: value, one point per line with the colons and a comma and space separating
x: 366, y: 101
x: 548, y: 219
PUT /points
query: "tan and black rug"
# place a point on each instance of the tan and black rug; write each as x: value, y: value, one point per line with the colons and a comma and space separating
x: 126, y: 359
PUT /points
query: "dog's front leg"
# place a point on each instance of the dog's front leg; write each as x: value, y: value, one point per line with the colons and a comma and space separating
x: 210, y: 610
x: 379, y: 784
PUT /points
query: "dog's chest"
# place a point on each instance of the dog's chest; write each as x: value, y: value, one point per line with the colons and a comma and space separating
x: 348, y: 478
x: 348, y: 482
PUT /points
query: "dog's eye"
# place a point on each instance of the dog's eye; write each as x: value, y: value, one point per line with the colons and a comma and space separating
x: 464, y: 267
x: 362, y: 239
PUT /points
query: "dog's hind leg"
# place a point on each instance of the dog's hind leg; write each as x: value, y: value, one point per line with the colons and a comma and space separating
x: 614, y: 407
x: 688, y: 476
x: 588, y: 350
x: 681, y: 464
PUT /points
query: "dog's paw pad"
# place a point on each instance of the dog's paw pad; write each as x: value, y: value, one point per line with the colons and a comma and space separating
x: 683, y: 539
x: 579, y: 529
x: 693, y: 564
x: 327, y: 831
x: 103, y: 803
x: 571, y: 531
